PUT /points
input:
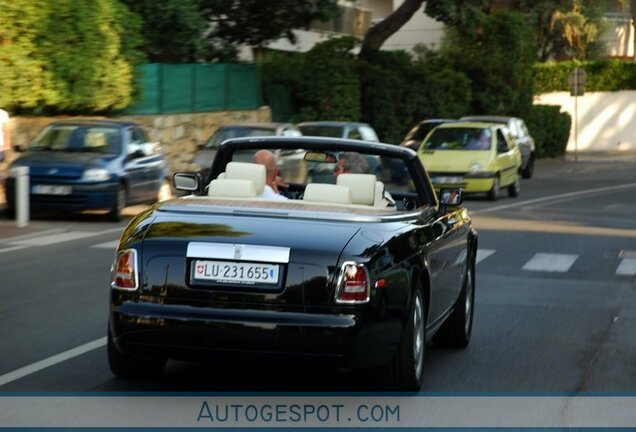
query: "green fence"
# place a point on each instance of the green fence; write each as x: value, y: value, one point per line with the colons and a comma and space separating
x: 186, y: 88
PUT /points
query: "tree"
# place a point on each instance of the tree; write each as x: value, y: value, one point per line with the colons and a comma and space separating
x: 172, y: 30
x: 497, y: 56
x: 22, y: 73
x: 256, y: 22
x: 90, y: 66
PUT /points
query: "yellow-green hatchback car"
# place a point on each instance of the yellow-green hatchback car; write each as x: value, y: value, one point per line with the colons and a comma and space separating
x: 478, y: 157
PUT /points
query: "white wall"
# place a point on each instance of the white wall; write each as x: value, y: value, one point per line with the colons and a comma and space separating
x: 606, y: 120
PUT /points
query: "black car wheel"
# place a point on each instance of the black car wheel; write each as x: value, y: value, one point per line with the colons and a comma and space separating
x: 515, y: 188
x: 120, y: 204
x: 405, y: 370
x: 128, y: 366
x: 457, y: 330
x: 493, y: 194
x: 528, y: 171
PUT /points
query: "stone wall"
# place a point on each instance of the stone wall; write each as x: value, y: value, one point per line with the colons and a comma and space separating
x: 179, y: 134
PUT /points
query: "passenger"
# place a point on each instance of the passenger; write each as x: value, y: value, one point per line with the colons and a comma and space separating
x: 479, y: 142
x: 355, y: 163
x: 272, y: 177
x: 352, y: 162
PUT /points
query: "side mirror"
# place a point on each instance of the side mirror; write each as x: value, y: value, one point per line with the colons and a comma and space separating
x: 451, y: 197
x: 188, y: 182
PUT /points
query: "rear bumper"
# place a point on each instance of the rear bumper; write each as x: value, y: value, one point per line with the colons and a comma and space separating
x: 185, y: 332
x: 83, y: 197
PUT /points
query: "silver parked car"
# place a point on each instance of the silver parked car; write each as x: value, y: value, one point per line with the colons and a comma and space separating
x: 207, y: 151
x: 520, y: 133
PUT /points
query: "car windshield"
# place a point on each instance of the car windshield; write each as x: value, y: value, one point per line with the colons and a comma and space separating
x: 236, y: 132
x: 322, y: 130
x: 459, y: 138
x: 420, y: 131
x: 297, y: 170
x: 80, y: 138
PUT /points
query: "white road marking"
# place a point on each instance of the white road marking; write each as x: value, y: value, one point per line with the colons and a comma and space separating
x: 547, y: 262
x: 482, y: 254
x: 13, y: 248
x: 52, y: 239
x: 51, y: 361
x: 107, y: 245
x: 555, y: 198
x: 60, y: 237
x: 627, y: 267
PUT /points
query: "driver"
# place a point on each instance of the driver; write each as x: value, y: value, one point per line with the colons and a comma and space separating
x: 272, y: 177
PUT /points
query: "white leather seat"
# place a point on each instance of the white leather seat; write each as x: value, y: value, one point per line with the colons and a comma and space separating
x: 363, y: 187
x: 378, y: 198
x: 327, y: 193
x: 231, y: 188
x: 255, y: 173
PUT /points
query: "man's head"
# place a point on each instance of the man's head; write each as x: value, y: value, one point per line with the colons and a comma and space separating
x: 267, y: 158
x: 352, y: 162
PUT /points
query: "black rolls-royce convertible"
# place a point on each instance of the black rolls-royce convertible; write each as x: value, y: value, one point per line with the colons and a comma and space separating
x: 358, y: 271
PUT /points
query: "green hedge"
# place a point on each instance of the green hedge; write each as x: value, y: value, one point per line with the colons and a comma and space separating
x: 602, y: 75
x: 550, y: 129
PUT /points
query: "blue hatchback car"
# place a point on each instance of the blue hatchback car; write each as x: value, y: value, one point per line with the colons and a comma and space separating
x: 77, y: 165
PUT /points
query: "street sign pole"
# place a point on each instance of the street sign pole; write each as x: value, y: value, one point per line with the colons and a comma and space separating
x: 576, y: 117
x: 576, y: 80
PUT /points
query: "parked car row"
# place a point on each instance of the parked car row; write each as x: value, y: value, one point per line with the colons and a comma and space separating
x: 476, y: 153
x: 77, y: 165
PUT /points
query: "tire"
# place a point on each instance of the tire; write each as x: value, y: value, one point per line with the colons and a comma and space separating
x: 115, y: 213
x: 515, y: 188
x: 127, y: 366
x: 528, y: 171
x: 458, y: 328
x: 493, y: 194
x: 405, y: 372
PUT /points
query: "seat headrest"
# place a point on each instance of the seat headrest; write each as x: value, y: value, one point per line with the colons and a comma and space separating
x: 231, y: 188
x: 362, y: 187
x: 378, y: 199
x: 327, y: 193
x: 256, y: 173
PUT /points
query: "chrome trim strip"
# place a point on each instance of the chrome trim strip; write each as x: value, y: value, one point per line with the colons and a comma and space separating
x: 239, y: 252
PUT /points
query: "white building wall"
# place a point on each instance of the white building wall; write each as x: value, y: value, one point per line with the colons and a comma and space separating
x: 606, y: 120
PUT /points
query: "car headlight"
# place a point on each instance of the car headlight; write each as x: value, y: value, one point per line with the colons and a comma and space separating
x: 96, y: 174
x: 476, y: 168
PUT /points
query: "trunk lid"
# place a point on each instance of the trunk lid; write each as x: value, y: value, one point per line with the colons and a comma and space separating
x: 314, y: 249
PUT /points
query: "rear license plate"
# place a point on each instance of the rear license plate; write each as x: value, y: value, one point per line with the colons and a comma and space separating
x: 232, y: 272
x: 51, y: 190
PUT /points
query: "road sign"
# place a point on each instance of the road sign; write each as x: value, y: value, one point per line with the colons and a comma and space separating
x: 576, y: 80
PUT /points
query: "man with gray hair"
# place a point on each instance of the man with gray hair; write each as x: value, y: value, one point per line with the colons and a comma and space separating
x: 352, y: 162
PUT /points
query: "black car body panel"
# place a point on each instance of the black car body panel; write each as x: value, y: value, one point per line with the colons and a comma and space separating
x: 422, y: 246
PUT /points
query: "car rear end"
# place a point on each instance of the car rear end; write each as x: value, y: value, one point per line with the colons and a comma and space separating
x: 229, y: 286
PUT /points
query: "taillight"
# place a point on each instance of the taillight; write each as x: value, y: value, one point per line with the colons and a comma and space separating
x: 353, y: 284
x: 123, y: 274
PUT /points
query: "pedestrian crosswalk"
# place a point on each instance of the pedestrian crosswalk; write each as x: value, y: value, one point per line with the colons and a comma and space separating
x: 559, y: 263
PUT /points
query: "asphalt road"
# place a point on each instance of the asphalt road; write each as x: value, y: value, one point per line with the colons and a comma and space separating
x: 555, y: 306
